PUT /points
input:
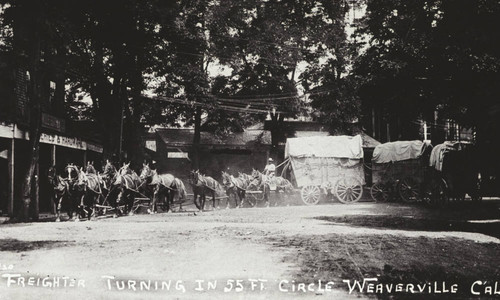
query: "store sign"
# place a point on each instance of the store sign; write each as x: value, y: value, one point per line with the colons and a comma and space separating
x: 94, y: 147
x: 11, y: 131
x: 178, y: 155
x: 54, y: 123
x: 74, y: 143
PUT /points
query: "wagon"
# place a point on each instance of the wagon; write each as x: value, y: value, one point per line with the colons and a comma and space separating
x: 456, y: 165
x: 326, y: 165
x: 399, y: 170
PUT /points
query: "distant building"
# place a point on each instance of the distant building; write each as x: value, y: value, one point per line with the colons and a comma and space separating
x: 299, y: 128
x: 391, y: 127
x: 238, y: 152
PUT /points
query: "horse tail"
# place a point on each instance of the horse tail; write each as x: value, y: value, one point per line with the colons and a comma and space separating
x: 285, y: 184
x: 289, y: 186
x: 219, y: 187
x: 181, y: 189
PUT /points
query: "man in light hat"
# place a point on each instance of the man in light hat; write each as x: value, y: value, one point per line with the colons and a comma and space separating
x: 270, y: 168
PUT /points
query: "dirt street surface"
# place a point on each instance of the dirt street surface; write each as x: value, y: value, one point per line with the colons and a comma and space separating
x: 287, y: 251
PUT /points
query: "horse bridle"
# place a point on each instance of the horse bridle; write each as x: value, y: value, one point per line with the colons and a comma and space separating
x: 195, y: 177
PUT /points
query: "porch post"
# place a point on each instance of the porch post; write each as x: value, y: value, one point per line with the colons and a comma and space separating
x: 11, y: 157
x: 36, y: 205
x: 84, y: 159
x: 53, y: 163
x: 388, y: 132
x: 53, y: 155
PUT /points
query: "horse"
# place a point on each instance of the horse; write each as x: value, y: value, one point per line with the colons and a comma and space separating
x: 108, y: 175
x: 90, y: 168
x: 159, y: 186
x: 72, y: 173
x: 247, y: 178
x: 203, y: 185
x: 128, y: 183
x: 62, y: 193
x: 235, y: 186
x: 91, y: 186
x: 265, y: 182
x: 165, y: 185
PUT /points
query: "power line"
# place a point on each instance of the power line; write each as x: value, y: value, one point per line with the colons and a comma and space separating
x: 256, y: 100
x: 207, y: 105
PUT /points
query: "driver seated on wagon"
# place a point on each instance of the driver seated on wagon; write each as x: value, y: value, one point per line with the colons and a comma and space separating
x: 269, y: 171
x: 270, y: 168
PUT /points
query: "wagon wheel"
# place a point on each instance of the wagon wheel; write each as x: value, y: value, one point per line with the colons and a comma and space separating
x: 101, y: 210
x: 252, y: 197
x: 163, y: 204
x: 230, y: 199
x: 348, y: 190
x: 439, y: 192
x: 380, y: 192
x: 310, y: 194
x: 408, y: 189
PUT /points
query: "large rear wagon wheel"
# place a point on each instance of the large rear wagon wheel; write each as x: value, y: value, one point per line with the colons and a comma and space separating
x: 408, y: 189
x: 348, y: 190
x: 380, y: 192
x: 310, y: 194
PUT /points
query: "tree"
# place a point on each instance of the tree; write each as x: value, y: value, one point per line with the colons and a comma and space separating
x: 267, y: 44
x: 113, y: 46
x: 262, y: 43
x: 434, y: 55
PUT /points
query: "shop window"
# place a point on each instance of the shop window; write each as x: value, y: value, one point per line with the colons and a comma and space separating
x: 52, y: 92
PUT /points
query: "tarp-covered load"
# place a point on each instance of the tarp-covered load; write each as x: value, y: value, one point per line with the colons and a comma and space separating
x: 399, y: 160
x: 398, y: 151
x: 437, y: 155
x: 325, y: 146
x: 323, y: 160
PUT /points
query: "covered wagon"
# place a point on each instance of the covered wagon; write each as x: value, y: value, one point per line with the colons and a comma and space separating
x: 399, y: 169
x: 327, y: 165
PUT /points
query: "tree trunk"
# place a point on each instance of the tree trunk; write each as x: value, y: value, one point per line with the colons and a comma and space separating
x: 30, y: 183
x: 197, y: 138
x: 106, y: 99
x: 277, y: 131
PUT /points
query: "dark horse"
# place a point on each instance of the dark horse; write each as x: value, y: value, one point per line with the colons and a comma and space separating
x: 62, y: 194
x: 203, y: 185
x: 165, y: 186
x: 128, y: 183
x: 235, y: 186
x: 76, y: 191
x: 108, y: 174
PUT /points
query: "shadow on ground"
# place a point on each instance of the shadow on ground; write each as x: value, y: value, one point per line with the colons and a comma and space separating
x: 22, y: 246
x: 392, y: 260
x: 484, y: 219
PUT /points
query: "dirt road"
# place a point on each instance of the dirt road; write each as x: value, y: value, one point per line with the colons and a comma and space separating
x: 218, y: 254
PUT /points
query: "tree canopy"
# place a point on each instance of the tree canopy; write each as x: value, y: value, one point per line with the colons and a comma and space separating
x: 423, y: 56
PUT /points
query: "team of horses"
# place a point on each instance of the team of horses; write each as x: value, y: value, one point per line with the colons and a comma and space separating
x: 86, y: 193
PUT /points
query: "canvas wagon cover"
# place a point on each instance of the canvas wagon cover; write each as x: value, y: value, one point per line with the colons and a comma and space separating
x: 322, y: 160
x: 342, y: 146
x: 398, y: 151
